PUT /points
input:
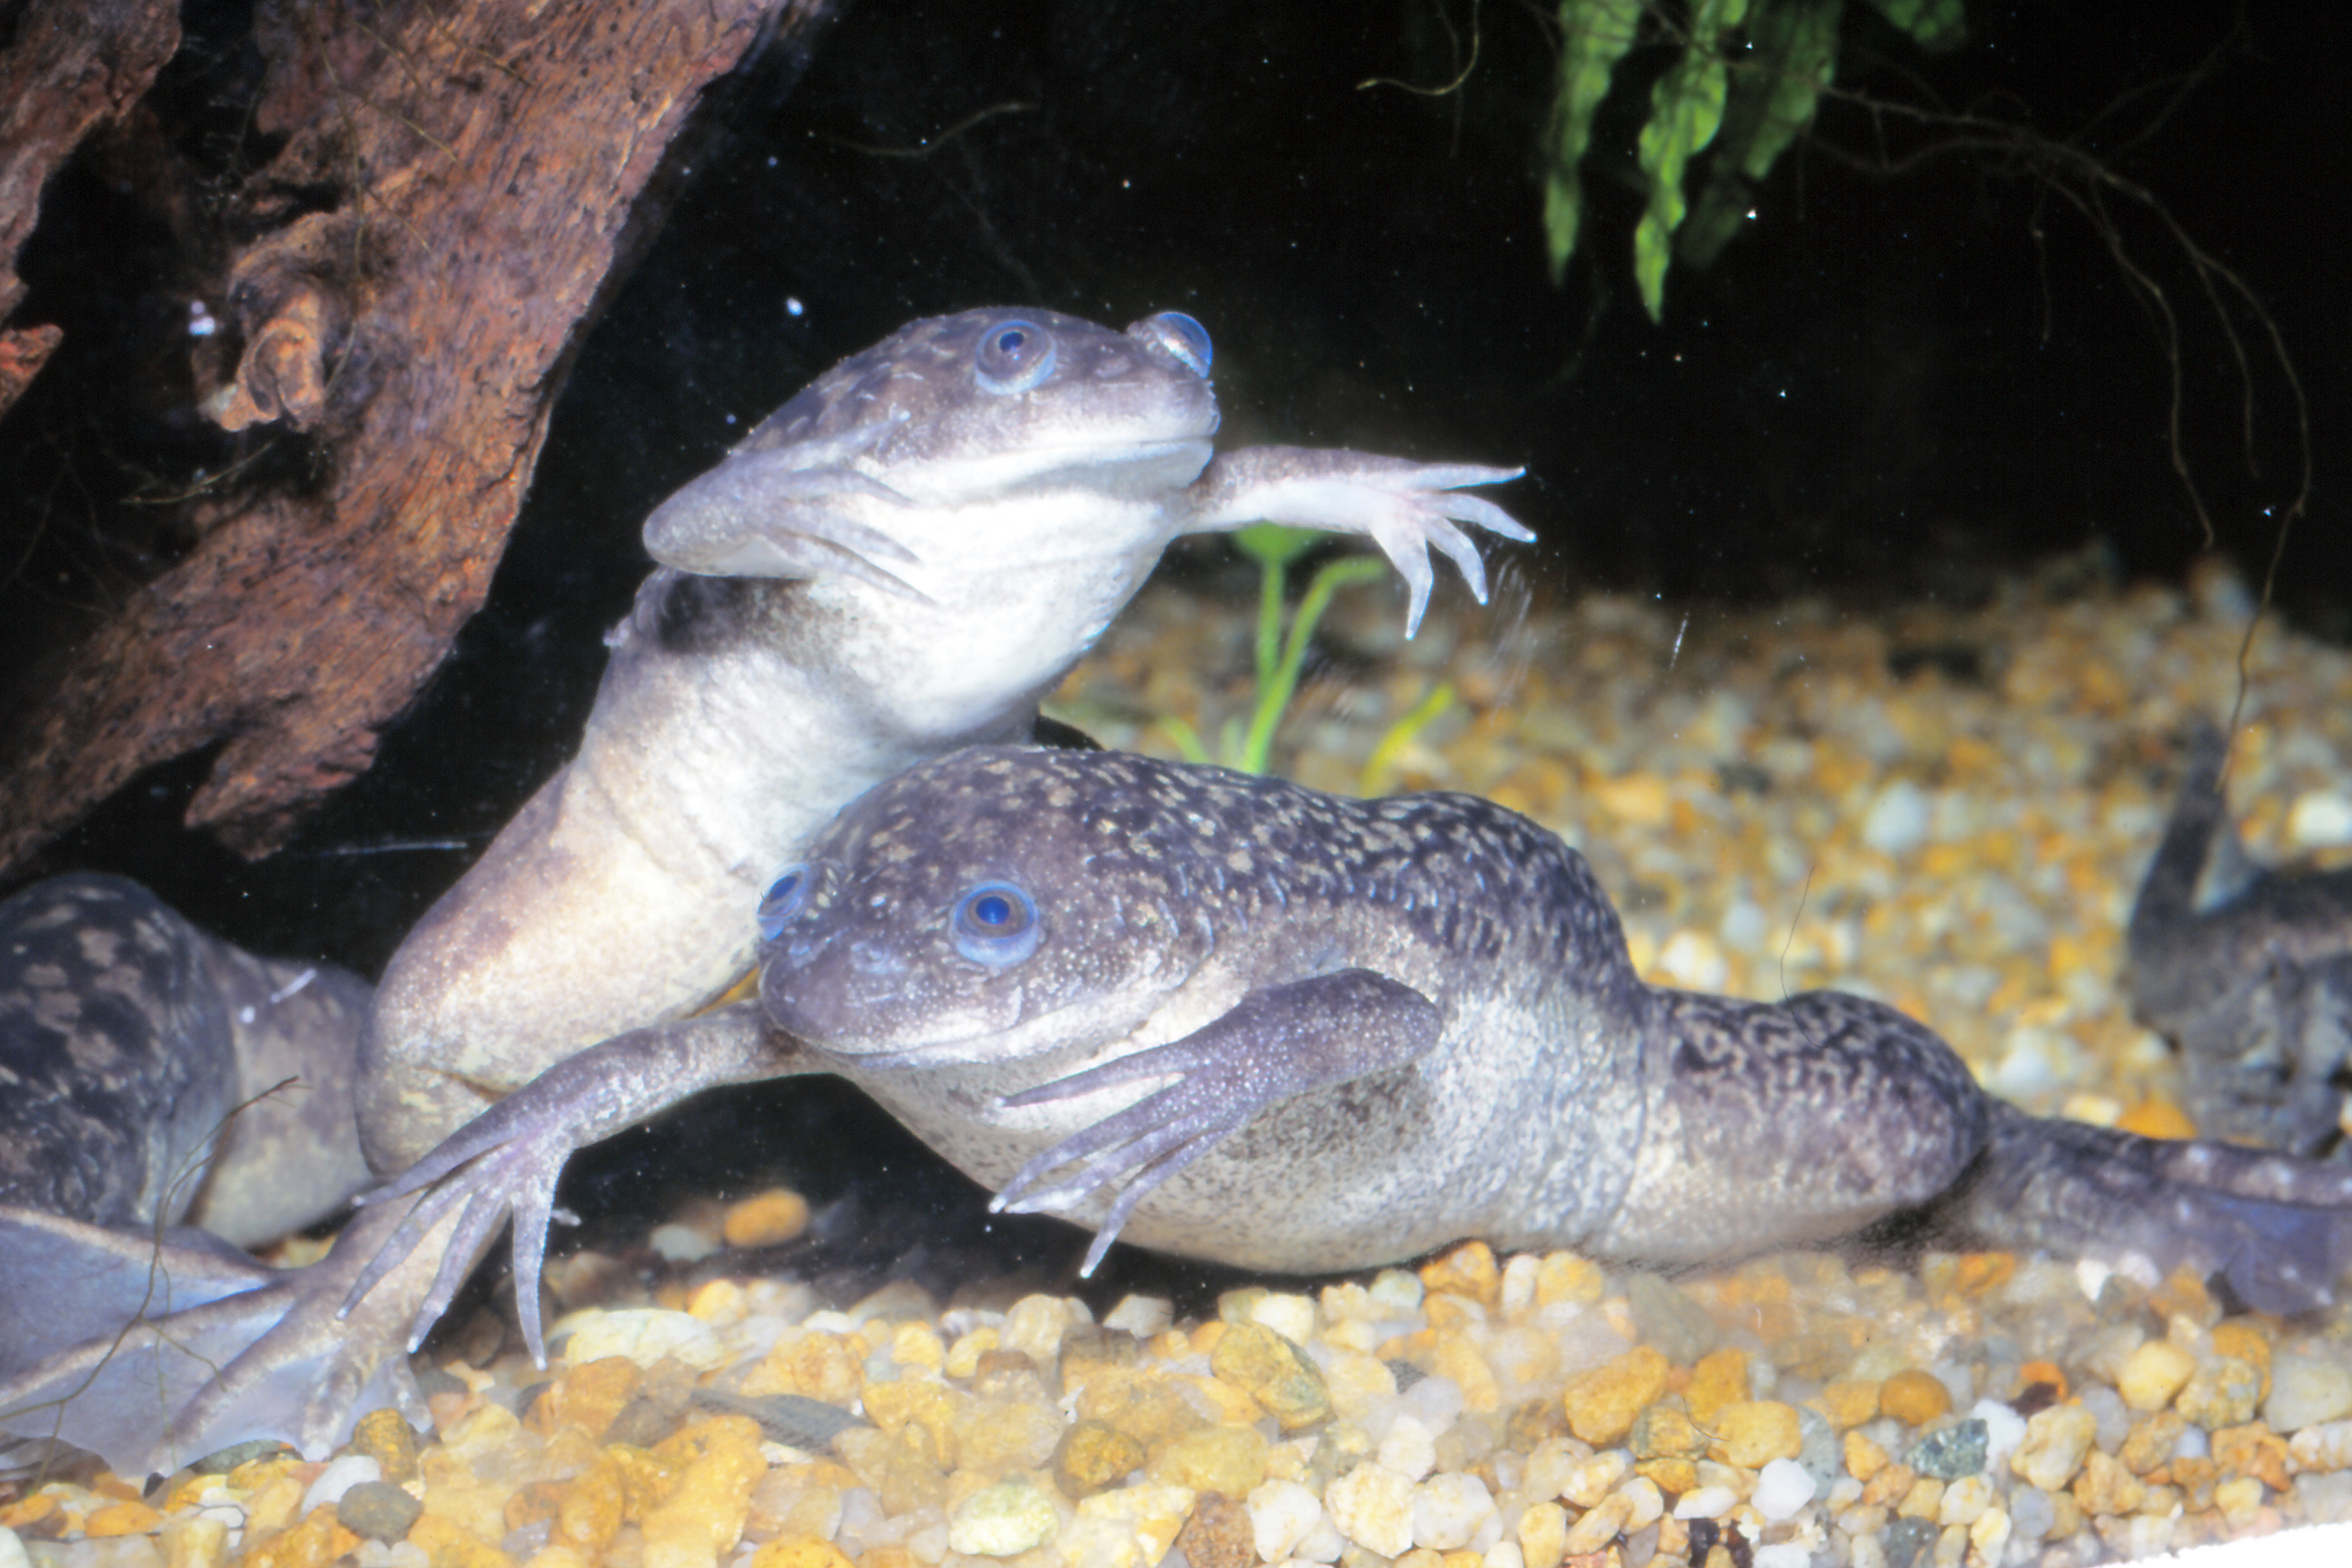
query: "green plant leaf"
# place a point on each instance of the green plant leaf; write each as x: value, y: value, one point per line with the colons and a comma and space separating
x: 1594, y: 35
x: 1774, y: 88
x: 1686, y: 109
x: 1934, y: 25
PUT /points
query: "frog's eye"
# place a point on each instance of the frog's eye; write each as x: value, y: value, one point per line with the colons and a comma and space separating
x: 1181, y: 336
x: 996, y: 924
x: 1013, y: 356
x: 786, y: 896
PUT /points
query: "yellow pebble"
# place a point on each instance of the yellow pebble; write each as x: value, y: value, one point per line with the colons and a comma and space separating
x: 2243, y: 1339
x: 1719, y: 1379
x: 1914, y: 1397
x: 799, y: 1551
x: 1468, y: 1271
x: 123, y: 1518
x: 2157, y: 1119
x: 768, y: 1219
x: 1847, y: 1402
x: 2153, y: 1374
x: 1753, y: 1432
x: 1602, y: 1402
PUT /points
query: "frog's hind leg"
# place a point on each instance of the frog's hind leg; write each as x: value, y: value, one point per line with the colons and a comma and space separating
x: 1790, y: 1124
x: 2276, y: 1227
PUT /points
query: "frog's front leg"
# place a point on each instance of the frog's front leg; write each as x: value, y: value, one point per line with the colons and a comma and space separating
x: 1274, y: 1044
x: 1403, y: 507
x: 785, y: 512
x: 507, y: 1160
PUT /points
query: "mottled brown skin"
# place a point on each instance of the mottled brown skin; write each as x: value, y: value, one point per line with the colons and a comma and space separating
x: 2247, y: 970
x: 1234, y: 1019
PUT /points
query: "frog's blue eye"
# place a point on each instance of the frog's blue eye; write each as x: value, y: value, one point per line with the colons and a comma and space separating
x: 1181, y: 336
x: 996, y: 924
x: 786, y: 896
x: 1013, y: 356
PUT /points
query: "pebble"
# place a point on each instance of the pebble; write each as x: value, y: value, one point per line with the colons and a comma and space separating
x: 1914, y: 1397
x: 1374, y: 1507
x: 1782, y: 1488
x: 1003, y: 1520
x: 2306, y: 1390
x: 1449, y: 1509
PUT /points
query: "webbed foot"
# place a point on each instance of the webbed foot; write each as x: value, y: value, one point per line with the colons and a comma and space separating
x: 178, y: 1349
x: 1403, y: 507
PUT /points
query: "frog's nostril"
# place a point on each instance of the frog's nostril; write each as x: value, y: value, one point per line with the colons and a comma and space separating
x: 875, y: 957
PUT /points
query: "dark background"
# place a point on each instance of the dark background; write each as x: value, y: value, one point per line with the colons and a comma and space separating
x: 1890, y: 385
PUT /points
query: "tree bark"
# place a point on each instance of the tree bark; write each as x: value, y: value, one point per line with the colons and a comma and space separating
x: 489, y: 165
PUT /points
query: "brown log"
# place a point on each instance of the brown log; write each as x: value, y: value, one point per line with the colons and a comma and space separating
x: 492, y: 158
x: 76, y: 65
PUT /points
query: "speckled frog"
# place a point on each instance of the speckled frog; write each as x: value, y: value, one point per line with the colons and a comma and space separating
x: 1234, y: 1019
x: 896, y: 563
x: 2249, y: 971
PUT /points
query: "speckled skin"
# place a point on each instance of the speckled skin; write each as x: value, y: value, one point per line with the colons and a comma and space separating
x: 2248, y: 970
x: 1304, y: 1033
x: 126, y: 1039
x: 896, y: 563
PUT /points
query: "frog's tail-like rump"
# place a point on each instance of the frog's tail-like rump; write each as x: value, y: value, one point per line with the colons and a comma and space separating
x: 2276, y: 1227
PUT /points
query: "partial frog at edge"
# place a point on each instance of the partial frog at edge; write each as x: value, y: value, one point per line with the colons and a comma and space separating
x: 2247, y: 970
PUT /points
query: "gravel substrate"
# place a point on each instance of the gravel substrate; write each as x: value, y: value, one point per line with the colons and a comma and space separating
x: 1946, y: 809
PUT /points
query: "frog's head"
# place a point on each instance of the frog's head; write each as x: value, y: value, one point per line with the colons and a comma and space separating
x: 992, y: 904
x: 957, y: 408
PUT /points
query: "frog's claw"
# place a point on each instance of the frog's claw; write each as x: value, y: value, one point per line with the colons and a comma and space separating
x: 503, y: 1175
x: 508, y: 1159
x: 1275, y: 1044
x: 1401, y: 506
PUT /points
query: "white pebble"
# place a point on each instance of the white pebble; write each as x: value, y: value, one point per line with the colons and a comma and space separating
x: 1449, y: 1509
x: 1142, y: 1316
x: 1003, y: 1520
x: 1712, y: 1502
x: 1898, y: 819
x: 1408, y: 1447
x: 2320, y: 819
x: 680, y: 1243
x: 1374, y: 1507
x: 1788, y: 1554
x: 1280, y: 1514
x: 2306, y: 1390
x: 2004, y: 1429
x: 1782, y: 1488
x: 12, y: 1549
x: 338, y: 1477
x: 1292, y: 1316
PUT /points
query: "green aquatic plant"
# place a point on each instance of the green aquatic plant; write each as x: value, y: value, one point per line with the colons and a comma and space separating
x: 1750, y: 75
x: 1282, y: 653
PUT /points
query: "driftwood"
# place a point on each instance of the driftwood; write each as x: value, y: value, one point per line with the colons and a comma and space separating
x: 76, y: 64
x: 486, y: 167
